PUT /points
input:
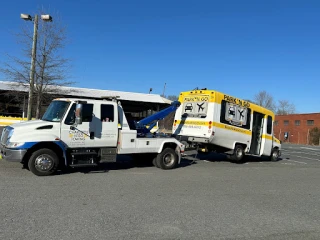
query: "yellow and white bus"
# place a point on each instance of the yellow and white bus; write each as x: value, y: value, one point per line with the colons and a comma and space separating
x: 214, y: 121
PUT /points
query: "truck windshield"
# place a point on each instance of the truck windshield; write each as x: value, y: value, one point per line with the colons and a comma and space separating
x: 55, y: 111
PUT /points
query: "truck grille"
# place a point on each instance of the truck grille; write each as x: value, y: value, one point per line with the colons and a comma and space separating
x: 4, y: 136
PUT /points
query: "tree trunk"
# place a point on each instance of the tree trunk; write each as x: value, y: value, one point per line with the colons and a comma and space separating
x: 38, y: 105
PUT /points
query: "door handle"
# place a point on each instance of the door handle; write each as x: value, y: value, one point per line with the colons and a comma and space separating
x: 91, y: 135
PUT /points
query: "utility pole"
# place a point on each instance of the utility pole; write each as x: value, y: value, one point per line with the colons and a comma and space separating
x: 24, y: 107
x: 32, y: 69
x: 27, y: 17
x: 164, y: 88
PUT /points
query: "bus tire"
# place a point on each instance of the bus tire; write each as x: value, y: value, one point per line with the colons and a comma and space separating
x: 238, y: 153
x: 274, y: 155
x: 43, y: 162
x: 167, y: 159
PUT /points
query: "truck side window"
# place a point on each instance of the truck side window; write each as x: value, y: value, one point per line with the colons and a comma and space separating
x: 71, y: 116
x: 269, y: 125
x: 87, y: 111
x: 107, y: 113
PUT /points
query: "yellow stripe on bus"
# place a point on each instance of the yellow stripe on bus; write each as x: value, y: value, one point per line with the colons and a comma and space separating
x: 214, y: 124
x: 190, y: 122
x: 222, y: 126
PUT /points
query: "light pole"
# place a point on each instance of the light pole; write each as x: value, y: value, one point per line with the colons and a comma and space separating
x: 164, y: 89
x: 28, y: 17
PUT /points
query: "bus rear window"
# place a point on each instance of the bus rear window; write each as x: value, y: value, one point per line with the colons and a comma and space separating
x: 195, y: 109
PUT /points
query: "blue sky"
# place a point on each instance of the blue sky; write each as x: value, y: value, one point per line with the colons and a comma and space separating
x: 237, y: 47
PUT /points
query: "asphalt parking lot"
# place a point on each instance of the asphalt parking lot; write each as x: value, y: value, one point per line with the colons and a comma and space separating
x: 209, y: 198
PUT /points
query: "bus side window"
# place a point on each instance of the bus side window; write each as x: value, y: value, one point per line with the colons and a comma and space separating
x: 269, y: 125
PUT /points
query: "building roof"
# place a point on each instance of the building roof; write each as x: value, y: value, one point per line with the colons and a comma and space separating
x: 297, y: 114
x: 92, y: 93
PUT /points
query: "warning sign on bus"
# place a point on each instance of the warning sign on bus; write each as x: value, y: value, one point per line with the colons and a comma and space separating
x: 196, y: 98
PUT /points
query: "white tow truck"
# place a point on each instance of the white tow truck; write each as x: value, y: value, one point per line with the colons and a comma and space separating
x: 86, y: 132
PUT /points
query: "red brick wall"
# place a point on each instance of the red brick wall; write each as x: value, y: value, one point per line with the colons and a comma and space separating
x: 297, y: 134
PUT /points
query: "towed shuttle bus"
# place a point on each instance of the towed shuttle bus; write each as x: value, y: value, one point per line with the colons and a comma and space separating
x: 214, y: 121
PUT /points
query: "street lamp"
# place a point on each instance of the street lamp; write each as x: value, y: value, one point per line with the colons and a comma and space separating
x: 28, y: 17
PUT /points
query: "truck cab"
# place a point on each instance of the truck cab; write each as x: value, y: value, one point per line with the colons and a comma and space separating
x: 83, y: 132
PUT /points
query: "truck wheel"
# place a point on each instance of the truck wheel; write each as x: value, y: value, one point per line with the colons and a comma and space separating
x: 154, y: 162
x: 43, y: 162
x: 167, y: 159
x: 274, y: 155
x: 238, y: 154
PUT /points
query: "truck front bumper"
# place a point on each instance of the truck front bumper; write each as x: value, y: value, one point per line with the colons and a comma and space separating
x: 12, y: 155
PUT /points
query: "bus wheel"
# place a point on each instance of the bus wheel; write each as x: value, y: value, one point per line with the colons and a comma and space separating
x: 274, y: 155
x: 238, y: 153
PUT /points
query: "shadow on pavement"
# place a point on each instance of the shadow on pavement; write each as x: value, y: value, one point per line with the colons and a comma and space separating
x: 217, y: 157
x: 123, y: 163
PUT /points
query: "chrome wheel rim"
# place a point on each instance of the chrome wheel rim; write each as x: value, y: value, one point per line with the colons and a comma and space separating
x: 275, y: 154
x: 168, y: 159
x: 44, y: 163
x: 239, y: 153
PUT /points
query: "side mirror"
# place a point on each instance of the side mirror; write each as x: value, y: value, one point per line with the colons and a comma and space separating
x: 78, y: 113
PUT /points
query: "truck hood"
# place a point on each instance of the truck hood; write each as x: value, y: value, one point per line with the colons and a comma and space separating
x: 35, y: 131
x: 33, y: 124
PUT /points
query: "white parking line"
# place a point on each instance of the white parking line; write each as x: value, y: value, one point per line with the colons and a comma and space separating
x: 308, y: 158
x: 313, y: 154
x: 314, y: 149
x: 288, y: 163
x: 297, y: 161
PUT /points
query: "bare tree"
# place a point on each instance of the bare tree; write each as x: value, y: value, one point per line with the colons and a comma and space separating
x: 314, y: 136
x: 51, y: 67
x: 167, y: 122
x: 264, y: 99
x: 248, y: 100
x: 172, y: 97
x: 285, y: 107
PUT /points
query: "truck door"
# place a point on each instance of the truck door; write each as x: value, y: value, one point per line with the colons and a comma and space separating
x: 106, y: 127
x: 257, y: 131
x: 78, y: 136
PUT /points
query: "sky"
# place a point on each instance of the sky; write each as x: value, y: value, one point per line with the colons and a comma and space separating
x: 236, y: 47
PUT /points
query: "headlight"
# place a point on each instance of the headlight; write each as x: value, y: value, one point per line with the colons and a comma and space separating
x: 14, y: 144
x: 10, y: 133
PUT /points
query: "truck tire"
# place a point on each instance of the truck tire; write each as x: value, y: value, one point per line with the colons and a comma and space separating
x: 274, y: 155
x: 167, y: 159
x: 43, y: 162
x: 154, y: 162
x: 238, y: 154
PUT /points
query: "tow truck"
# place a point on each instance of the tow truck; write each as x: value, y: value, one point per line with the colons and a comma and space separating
x: 87, y: 132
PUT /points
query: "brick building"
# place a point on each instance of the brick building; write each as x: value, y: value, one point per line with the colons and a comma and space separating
x: 298, y: 127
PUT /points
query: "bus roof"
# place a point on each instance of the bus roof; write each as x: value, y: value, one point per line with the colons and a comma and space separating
x: 216, y: 96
